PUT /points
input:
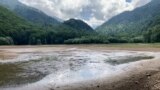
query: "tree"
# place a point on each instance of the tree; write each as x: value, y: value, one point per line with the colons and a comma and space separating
x: 6, y: 41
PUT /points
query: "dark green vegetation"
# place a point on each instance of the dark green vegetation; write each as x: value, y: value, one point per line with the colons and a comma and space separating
x: 23, y: 25
x: 93, y: 38
x: 30, y: 14
x: 78, y: 24
x: 139, y: 25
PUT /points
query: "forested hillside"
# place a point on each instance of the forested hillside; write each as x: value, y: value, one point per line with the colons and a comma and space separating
x: 23, y: 25
x: 152, y: 35
x: 134, y: 26
x: 28, y: 13
x: 12, y: 27
x: 78, y: 24
x: 17, y: 30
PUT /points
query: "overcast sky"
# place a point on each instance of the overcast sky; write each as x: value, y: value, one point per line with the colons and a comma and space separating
x: 94, y: 12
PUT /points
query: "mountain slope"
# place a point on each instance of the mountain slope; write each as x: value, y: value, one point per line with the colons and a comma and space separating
x: 132, y: 23
x: 13, y: 26
x: 18, y: 31
x: 78, y: 25
x: 31, y: 14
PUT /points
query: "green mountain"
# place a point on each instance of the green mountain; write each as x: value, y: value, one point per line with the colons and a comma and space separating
x: 25, y: 25
x: 12, y: 26
x: 28, y: 13
x: 132, y: 24
x: 19, y: 31
x: 78, y: 25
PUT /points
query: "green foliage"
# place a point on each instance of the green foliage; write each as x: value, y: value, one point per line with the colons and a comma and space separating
x: 139, y: 39
x: 135, y: 26
x: 23, y: 32
x: 88, y: 40
x: 78, y: 24
x: 153, y: 34
x: 117, y: 40
x: 28, y: 13
x: 28, y: 26
x: 6, y: 41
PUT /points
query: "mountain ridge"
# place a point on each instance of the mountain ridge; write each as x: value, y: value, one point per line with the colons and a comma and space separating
x: 133, y: 25
x: 78, y: 24
x: 129, y: 22
x: 28, y: 13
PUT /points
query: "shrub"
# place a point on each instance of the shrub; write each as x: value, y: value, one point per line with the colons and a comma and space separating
x: 6, y: 41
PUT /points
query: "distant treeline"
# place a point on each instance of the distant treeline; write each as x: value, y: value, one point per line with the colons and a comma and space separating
x: 142, y: 25
x: 18, y: 30
x: 15, y: 30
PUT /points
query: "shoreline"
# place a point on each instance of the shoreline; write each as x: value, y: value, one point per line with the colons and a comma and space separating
x: 142, y: 75
x: 131, y: 47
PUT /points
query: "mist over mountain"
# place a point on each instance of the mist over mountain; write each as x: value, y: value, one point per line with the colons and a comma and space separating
x: 10, y: 3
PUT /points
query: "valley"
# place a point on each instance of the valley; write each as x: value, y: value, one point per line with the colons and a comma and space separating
x: 82, y: 45
x: 67, y: 67
x: 24, y: 25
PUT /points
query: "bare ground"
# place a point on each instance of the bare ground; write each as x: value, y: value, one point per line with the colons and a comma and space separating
x: 146, y: 77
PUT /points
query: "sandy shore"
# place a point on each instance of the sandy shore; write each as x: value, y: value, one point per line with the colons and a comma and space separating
x: 144, y: 75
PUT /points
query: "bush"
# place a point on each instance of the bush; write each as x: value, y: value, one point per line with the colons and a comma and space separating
x: 137, y: 40
x: 6, y: 41
x: 117, y: 40
x: 152, y: 35
x: 87, y: 40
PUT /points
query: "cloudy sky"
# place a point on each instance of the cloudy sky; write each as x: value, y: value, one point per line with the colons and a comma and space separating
x: 93, y: 12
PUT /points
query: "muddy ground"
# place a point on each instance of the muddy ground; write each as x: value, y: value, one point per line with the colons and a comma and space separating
x: 141, y: 75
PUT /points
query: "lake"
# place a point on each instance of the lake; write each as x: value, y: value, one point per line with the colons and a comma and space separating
x: 55, y: 67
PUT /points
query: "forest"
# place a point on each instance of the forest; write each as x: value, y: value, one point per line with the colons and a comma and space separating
x: 23, y: 25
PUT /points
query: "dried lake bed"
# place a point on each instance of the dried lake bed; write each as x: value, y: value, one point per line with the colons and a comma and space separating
x: 70, y: 67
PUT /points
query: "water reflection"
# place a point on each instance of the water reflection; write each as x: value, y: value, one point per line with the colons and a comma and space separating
x: 64, y: 67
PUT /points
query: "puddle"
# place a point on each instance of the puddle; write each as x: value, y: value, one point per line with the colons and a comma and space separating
x: 41, y: 70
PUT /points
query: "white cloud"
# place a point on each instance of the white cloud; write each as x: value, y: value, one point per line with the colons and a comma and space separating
x: 94, y: 22
x: 94, y: 12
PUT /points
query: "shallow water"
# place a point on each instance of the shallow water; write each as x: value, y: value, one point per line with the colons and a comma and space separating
x: 43, y: 71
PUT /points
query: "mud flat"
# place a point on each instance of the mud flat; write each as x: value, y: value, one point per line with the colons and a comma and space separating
x: 80, y: 67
